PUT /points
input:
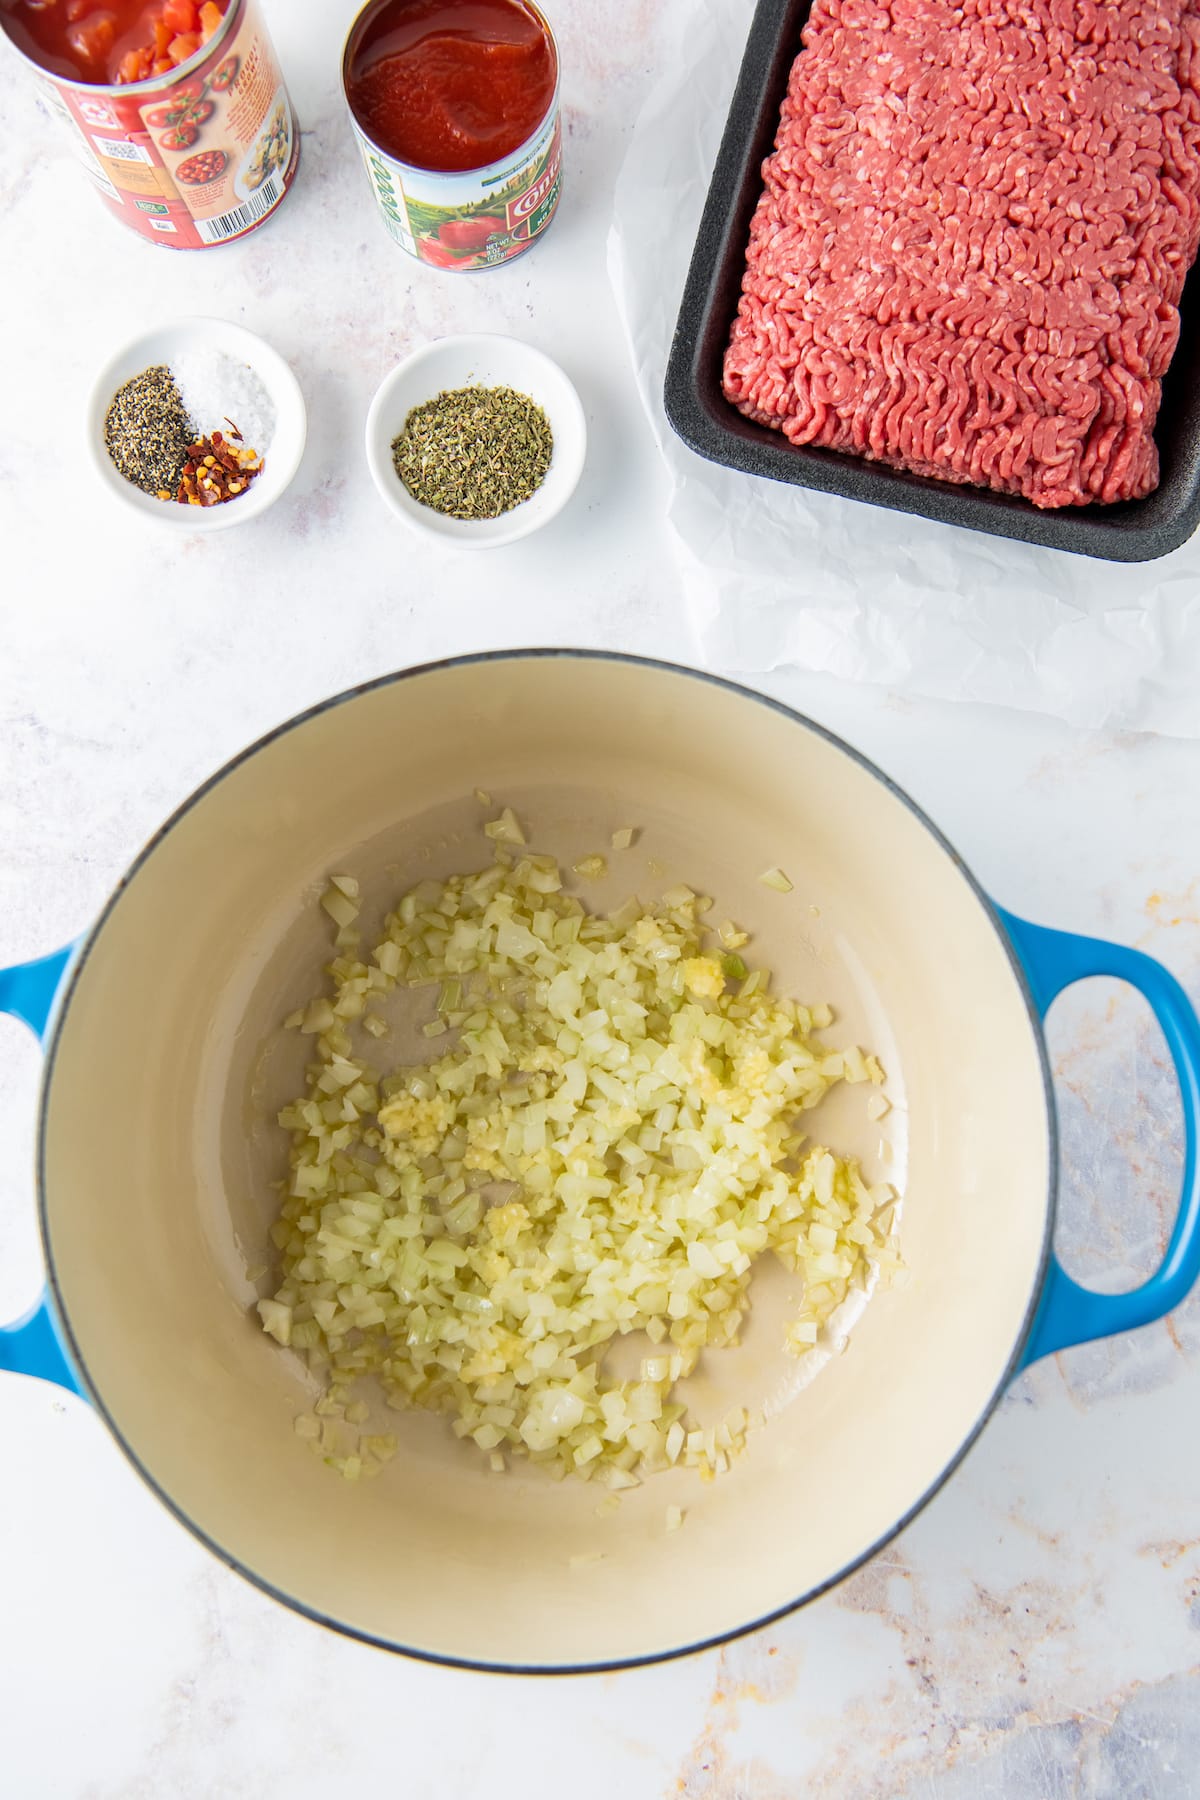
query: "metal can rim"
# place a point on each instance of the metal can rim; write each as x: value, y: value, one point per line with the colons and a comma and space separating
x: 152, y: 83
x: 483, y: 169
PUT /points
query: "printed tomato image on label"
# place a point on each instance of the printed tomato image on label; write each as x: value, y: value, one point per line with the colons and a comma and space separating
x: 180, y: 137
x: 468, y: 235
x: 185, y: 109
x: 499, y: 227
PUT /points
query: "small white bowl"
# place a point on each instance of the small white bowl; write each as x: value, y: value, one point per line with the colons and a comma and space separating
x: 478, y: 361
x: 281, y: 455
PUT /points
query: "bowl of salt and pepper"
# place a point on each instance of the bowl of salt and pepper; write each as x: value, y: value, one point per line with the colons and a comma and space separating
x: 199, y: 424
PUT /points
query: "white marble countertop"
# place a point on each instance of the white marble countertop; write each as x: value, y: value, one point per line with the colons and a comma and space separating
x: 1036, y: 1633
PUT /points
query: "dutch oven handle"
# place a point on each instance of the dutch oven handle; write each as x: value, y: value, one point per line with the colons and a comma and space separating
x: 33, y: 1346
x: 1070, y: 1314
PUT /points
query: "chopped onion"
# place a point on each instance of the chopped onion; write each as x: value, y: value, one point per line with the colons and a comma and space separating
x: 605, y: 1143
x: 506, y: 829
x: 341, y: 907
x: 276, y: 1320
x: 775, y: 878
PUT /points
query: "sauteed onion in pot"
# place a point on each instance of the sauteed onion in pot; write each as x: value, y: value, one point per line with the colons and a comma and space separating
x: 607, y: 1138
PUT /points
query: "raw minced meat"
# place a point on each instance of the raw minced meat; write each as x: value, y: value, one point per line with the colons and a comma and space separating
x: 970, y: 248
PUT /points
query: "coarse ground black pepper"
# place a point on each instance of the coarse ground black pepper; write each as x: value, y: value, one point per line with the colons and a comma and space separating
x: 474, y: 453
x: 147, y: 431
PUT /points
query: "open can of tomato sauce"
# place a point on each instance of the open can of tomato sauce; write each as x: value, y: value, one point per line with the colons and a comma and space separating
x: 455, y: 107
x: 177, y: 109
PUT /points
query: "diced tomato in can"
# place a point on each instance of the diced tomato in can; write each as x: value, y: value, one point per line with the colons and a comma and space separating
x: 200, y: 150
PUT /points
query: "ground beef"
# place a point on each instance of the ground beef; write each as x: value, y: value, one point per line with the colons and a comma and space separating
x: 975, y: 229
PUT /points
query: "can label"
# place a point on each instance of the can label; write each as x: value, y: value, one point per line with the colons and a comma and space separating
x: 196, y: 158
x: 475, y: 220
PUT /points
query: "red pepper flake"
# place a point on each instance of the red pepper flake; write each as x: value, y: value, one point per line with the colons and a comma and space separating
x: 216, y: 471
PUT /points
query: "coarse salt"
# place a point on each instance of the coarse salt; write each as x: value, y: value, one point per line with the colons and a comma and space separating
x: 219, y: 391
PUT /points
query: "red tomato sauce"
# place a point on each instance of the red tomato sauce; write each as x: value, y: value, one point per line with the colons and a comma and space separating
x: 118, y: 41
x: 452, y: 85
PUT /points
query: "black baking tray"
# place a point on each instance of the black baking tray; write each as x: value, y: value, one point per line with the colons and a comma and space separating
x: 1131, y: 531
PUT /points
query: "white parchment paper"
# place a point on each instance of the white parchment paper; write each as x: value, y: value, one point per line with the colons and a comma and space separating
x: 782, y: 578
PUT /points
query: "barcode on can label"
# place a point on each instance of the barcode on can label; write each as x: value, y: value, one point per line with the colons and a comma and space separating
x: 121, y: 150
x: 240, y: 218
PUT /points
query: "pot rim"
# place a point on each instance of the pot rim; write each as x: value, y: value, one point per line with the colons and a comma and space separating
x: 62, y: 1009
x: 484, y: 171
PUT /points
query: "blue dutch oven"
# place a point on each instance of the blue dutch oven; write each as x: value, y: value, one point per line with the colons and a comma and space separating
x: 157, y: 1144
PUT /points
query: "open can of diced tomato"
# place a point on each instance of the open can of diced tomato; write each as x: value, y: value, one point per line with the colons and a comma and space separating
x: 187, y: 129
x: 454, y: 106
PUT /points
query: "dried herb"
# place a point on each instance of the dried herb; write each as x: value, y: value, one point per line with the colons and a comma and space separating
x: 474, y: 453
x: 147, y: 431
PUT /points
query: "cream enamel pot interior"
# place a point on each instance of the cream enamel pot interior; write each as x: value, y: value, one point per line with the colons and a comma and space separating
x: 157, y: 1145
